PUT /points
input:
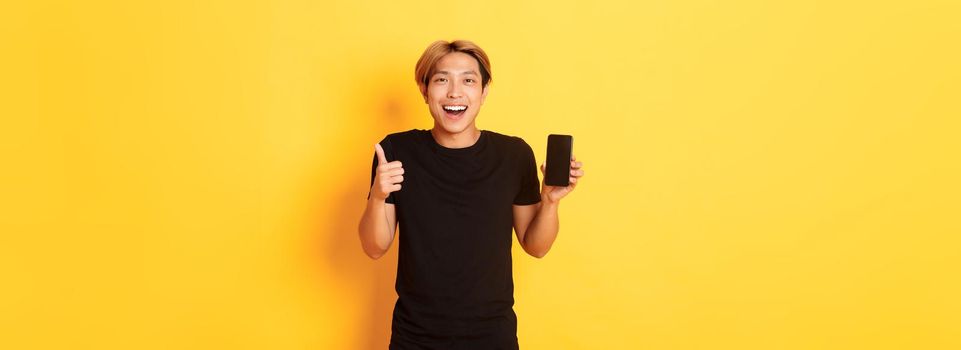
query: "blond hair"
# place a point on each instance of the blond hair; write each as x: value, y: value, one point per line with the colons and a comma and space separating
x: 440, y: 48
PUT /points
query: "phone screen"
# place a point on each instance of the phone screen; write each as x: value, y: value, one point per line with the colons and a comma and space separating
x: 559, y: 148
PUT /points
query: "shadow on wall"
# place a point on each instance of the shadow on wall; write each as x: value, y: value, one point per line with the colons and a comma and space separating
x: 389, y: 108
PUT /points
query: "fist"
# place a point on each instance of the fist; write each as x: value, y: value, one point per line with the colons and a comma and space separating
x: 387, y: 177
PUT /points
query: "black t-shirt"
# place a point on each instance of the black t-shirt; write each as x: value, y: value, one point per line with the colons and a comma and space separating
x: 455, y: 284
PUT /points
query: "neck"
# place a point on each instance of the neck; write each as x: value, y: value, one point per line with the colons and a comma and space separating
x: 463, y: 139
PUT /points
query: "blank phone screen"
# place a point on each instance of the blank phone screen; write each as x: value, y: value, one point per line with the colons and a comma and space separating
x: 559, y: 148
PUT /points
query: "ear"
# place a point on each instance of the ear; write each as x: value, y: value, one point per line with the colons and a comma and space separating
x: 487, y: 88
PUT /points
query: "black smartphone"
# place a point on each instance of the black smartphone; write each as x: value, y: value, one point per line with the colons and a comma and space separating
x: 559, y: 151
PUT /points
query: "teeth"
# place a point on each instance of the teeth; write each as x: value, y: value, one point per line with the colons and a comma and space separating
x: 455, y: 108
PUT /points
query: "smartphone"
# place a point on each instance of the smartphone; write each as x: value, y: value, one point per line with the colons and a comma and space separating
x: 559, y: 151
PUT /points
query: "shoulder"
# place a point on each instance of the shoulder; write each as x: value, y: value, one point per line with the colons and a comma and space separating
x: 514, y: 143
x: 402, y: 139
x: 404, y: 135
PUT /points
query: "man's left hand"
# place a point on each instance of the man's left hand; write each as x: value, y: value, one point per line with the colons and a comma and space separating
x: 553, y: 194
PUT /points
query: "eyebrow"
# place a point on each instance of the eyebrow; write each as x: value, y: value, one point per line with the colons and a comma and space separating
x: 446, y: 72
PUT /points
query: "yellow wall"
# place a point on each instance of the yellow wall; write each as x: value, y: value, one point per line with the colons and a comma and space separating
x: 760, y: 174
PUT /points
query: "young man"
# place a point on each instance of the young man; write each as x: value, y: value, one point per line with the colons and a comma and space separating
x: 457, y: 192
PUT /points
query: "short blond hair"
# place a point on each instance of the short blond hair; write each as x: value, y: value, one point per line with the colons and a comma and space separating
x: 438, y: 49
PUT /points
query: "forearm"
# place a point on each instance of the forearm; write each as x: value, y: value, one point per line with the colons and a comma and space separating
x: 542, y: 232
x: 375, y: 231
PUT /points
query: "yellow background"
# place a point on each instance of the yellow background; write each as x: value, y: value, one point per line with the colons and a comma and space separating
x: 760, y: 174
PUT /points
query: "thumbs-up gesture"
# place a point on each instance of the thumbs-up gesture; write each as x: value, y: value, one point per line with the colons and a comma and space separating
x: 388, y: 177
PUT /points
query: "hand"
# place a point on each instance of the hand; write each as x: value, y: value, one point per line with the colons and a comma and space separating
x: 553, y: 194
x: 388, y: 175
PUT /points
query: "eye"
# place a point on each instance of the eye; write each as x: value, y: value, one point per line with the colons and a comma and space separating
x: 440, y: 80
x: 470, y: 80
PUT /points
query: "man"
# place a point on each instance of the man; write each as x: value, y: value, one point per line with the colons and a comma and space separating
x: 456, y: 192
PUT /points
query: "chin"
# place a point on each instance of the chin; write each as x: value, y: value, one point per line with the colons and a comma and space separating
x: 454, y: 127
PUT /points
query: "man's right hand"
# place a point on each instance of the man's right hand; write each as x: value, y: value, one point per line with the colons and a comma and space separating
x: 388, y: 177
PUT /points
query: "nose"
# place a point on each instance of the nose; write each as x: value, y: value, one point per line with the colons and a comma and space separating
x: 454, y: 91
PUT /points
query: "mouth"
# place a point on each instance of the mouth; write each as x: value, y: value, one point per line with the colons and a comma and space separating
x: 454, y: 111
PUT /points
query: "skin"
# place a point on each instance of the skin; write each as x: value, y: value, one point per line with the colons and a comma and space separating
x: 457, y: 81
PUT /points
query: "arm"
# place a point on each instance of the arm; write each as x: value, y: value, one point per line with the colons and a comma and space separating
x: 379, y: 222
x: 536, y: 225
x: 377, y: 227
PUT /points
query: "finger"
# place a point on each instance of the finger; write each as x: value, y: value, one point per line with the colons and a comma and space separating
x: 577, y: 172
x: 392, y: 165
x: 576, y: 165
x: 573, y: 157
x: 381, y: 158
x: 393, y: 172
x: 391, y: 180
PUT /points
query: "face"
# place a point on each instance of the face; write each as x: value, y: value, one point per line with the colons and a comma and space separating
x: 454, y: 94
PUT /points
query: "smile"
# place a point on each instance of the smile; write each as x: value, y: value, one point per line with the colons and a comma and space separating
x: 454, y: 111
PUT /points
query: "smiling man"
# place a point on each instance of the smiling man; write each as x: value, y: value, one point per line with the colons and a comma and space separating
x: 457, y: 192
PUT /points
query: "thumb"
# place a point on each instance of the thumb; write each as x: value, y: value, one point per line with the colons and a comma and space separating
x: 381, y: 158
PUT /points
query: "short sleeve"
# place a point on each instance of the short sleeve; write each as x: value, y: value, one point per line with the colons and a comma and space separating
x: 529, y: 192
x: 385, y: 143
